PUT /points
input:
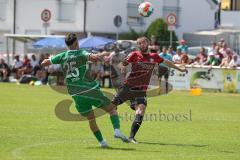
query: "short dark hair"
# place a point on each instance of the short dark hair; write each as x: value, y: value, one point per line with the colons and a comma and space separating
x: 70, y: 38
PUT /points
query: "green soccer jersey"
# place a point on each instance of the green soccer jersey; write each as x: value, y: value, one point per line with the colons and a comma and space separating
x: 75, y: 68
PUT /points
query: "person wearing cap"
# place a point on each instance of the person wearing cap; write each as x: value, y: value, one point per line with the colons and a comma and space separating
x: 212, y: 60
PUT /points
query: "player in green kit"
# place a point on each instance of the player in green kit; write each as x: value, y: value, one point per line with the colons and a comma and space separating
x: 85, y: 91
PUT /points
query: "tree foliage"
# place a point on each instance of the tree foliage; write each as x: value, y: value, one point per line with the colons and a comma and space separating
x: 159, y: 28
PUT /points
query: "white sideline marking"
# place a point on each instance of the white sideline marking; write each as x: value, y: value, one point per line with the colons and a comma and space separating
x: 17, y: 152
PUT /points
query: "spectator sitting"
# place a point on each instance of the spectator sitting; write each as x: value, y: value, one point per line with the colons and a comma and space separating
x: 4, y: 71
x: 180, y: 57
x: 225, y: 49
x: 213, y: 47
x: 226, y: 61
x: 26, y: 61
x: 16, y: 66
x: 235, y: 62
x: 27, y: 68
x: 171, y: 51
x: 177, y: 56
x: 212, y: 60
x: 201, y: 57
x: 218, y: 55
x: 184, y: 58
x: 41, y: 58
x: 154, y: 46
x: 229, y: 52
x: 35, y: 64
x: 183, y: 46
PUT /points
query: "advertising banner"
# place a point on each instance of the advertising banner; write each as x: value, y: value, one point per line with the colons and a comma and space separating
x: 221, y: 79
x: 230, y: 80
x: 206, y: 78
x: 179, y: 80
x: 238, y: 81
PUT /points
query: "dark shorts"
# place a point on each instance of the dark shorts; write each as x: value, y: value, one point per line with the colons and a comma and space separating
x: 136, y: 96
x: 163, y: 71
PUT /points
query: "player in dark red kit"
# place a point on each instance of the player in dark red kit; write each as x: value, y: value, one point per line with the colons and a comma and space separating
x: 136, y: 84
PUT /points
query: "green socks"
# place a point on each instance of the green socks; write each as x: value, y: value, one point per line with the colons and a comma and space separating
x: 116, y: 125
x: 115, y: 121
x: 98, y: 135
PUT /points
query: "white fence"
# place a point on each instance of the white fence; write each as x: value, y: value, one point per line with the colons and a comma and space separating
x: 222, y: 79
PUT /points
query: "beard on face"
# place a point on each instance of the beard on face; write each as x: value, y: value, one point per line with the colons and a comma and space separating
x: 144, y: 50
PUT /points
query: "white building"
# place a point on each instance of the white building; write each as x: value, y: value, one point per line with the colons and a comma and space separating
x: 229, y: 27
x: 230, y: 13
x: 23, y: 16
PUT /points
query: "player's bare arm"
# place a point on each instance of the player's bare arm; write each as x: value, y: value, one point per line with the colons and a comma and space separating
x: 99, y: 56
x: 46, y: 62
x: 172, y: 65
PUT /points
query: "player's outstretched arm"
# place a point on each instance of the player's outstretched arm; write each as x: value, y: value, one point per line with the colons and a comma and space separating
x: 172, y: 65
x: 46, y: 62
x: 98, y: 57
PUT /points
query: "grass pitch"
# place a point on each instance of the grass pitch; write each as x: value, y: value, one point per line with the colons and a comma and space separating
x: 177, y: 126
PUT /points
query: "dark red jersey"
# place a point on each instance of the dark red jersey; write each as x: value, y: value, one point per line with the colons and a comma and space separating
x: 142, y: 68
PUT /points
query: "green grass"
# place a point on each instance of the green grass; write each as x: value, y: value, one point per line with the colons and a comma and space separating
x: 30, y: 130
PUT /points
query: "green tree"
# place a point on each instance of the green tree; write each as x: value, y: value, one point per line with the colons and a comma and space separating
x: 159, y: 28
x: 132, y: 35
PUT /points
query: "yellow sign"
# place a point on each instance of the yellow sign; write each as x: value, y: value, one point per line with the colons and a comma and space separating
x: 230, y: 81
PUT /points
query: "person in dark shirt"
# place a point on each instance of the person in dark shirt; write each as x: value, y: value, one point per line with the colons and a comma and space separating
x: 154, y: 45
x: 136, y: 84
x: 4, y: 71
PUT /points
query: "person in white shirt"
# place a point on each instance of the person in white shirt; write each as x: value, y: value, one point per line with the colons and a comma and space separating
x: 18, y: 64
x: 177, y: 56
x: 34, y: 62
x: 235, y: 62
